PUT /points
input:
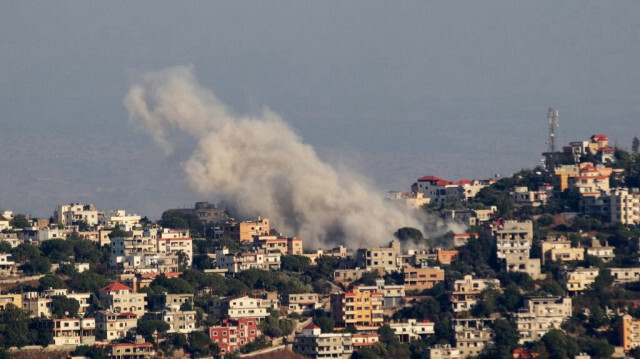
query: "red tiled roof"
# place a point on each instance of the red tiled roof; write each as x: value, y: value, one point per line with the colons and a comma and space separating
x: 114, y: 287
x: 127, y: 314
x: 600, y: 137
x: 463, y: 182
x: 428, y: 178
x: 443, y: 182
x: 607, y: 148
x: 311, y: 326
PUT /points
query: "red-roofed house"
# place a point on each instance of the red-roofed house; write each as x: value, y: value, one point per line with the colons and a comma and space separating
x: 119, y: 298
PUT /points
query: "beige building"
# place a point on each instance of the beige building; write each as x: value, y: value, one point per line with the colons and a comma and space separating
x: 629, y: 333
x: 540, y: 315
x: 473, y: 335
x: 111, y: 326
x: 238, y: 262
x: 6, y: 299
x: 286, y: 246
x: 121, y: 299
x: 559, y: 250
x: 172, y: 242
x: 443, y: 351
x: 516, y: 262
x: 360, y: 309
x: 422, y: 278
x: 303, y: 303
x: 523, y: 196
x: 138, y: 350
x: 513, y: 237
x: 625, y: 275
x: 7, y: 266
x: 466, y: 292
x: 39, y: 303
x: 392, y: 294
x: 579, y: 279
x: 312, y: 342
x: 73, y: 331
x: 605, y: 252
x: 67, y: 214
x: 180, y: 321
x: 346, y: 276
x: 245, y: 231
x: 625, y: 206
x: 382, y: 259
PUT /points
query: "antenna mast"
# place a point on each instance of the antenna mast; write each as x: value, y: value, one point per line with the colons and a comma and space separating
x: 552, y: 117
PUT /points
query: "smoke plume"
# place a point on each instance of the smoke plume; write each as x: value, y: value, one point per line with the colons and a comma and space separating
x: 260, y: 166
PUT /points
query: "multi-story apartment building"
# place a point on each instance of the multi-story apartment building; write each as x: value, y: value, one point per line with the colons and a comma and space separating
x: 39, y: 303
x: 625, y: 206
x: 466, y: 292
x: 517, y: 262
x: 286, y: 246
x: 412, y: 200
x: 241, y: 307
x: 540, y: 315
x: 392, y: 295
x: 244, y: 231
x: 473, y: 335
x: 559, y: 249
x: 591, y: 180
x: 72, y: 331
x: 382, y: 259
x: 579, y: 279
x: 14, y: 299
x: 111, y: 326
x: 67, y: 214
x: 439, y: 190
x: 233, y: 334
x: 172, y: 242
x: 237, y: 262
x: 121, y: 299
x: 303, y: 303
x: 11, y: 238
x: 629, y: 333
x: 180, y: 321
x: 360, y: 309
x: 412, y: 330
x: 176, y: 299
x: 119, y: 219
x: 422, y: 278
x: 312, y: 342
x: 206, y: 212
x: 513, y: 237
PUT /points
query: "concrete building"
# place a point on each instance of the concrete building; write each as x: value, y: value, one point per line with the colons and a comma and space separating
x: 466, y: 292
x: 629, y: 333
x: 121, y: 299
x: 72, y: 331
x: 513, y: 237
x: 111, y: 326
x: 382, y: 259
x: 119, y: 219
x: 172, y: 242
x: 540, y: 315
x: 39, y: 303
x: 412, y: 330
x: 241, y: 307
x: 411, y: 200
x: 473, y: 335
x: 558, y: 249
x: 440, y: 191
x: 312, y: 342
x: 346, y: 276
x: 138, y: 350
x: 244, y: 232
x: 303, y: 303
x: 392, y: 295
x: 443, y: 351
x: 180, y: 321
x: 286, y: 246
x: 516, y: 262
x: 625, y: 206
x: 625, y: 275
x: 422, y: 278
x: 461, y: 239
x: 7, y: 266
x: 206, y: 212
x: 67, y: 214
x: 471, y: 217
x: 606, y: 252
x: 6, y: 299
x: 579, y: 279
x: 360, y: 309
x: 233, y: 334
x: 234, y: 263
x: 524, y: 196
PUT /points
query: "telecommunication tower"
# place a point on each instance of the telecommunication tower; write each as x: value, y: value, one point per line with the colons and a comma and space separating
x: 552, y: 117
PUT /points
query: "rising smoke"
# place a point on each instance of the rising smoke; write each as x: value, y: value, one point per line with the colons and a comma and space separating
x: 260, y: 166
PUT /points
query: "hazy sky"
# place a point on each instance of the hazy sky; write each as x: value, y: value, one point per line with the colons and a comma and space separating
x: 395, y: 90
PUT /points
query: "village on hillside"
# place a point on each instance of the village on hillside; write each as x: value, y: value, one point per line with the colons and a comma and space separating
x: 546, y: 264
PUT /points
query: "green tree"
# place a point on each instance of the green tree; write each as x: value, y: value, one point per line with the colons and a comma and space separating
x: 326, y: 324
x: 38, y: 265
x: 409, y: 234
x: 62, y: 307
x: 558, y: 345
x: 13, y: 327
x: 51, y: 281
x: 505, y: 340
x: 199, y: 344
x: 19, y: 221
x: 147, y: 327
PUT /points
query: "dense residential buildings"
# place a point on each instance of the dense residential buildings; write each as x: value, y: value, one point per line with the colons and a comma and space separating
x: 392, y: 295
x: 286, y: 246
x: 72, y: 331
x: 119, y: 298
x: 67, y: 214
x: 244, y: 232
x: 540, y: 315
x: 111, y: 325
x: 559, y: 249
x: 381, y: 259
x: 234, y: 263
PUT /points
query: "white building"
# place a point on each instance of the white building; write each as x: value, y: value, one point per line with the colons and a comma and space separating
x: 238, y: 262
x: 412, y: 330
x: 312, y: 342
x: 67, y: 214
x: 120, y: 219
x: 540, y: 315
x: 241, y: 307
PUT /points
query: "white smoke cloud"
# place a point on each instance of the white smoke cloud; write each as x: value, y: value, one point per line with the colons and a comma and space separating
x: 260, y: 166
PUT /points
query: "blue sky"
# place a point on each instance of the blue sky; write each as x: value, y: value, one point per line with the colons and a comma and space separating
x: 394, y: 90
